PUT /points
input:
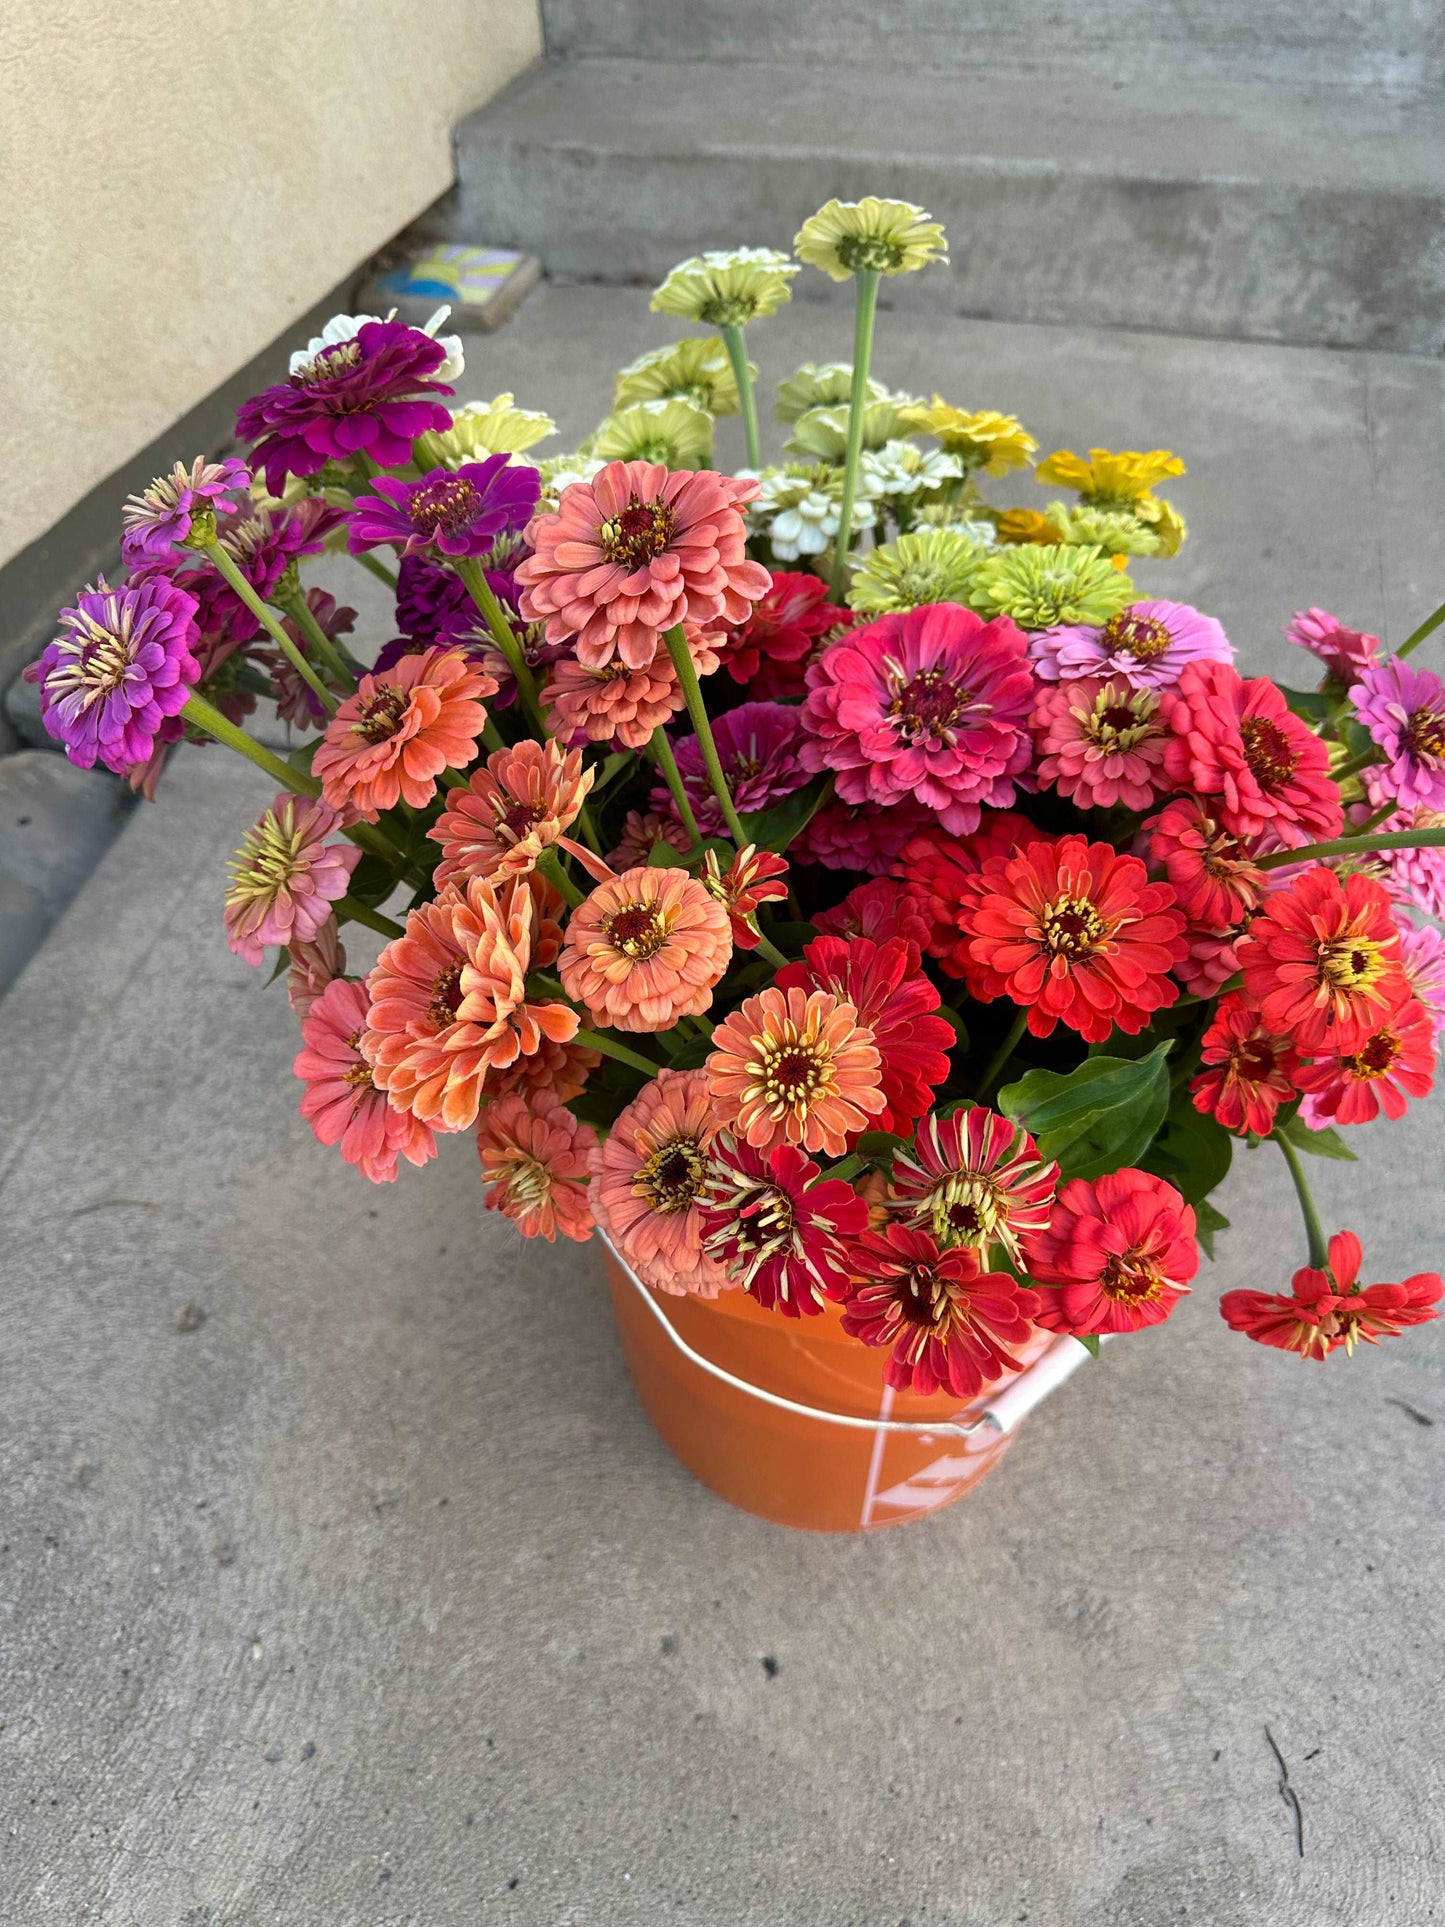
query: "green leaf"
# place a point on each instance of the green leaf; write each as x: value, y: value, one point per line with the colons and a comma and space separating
x: 300, y: 757
x: 960, y: 1029
x: 1192, y: 1151
x: 1312, y: 704
x: 877, y: 1147
x: 1099, y: 1116
x: 1090, y: 1342
x: 607, y: 775
x: 1207, y: 1222
x: 1320, y: 1144
x: 662, y: 856
x: 776, y: 828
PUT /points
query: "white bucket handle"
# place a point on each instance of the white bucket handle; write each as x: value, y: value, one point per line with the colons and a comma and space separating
x: 1001, y: 1413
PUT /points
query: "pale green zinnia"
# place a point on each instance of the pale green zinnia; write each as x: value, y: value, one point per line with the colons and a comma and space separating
x: 820, y: 384
x: 495, y: 427
x: 695, y: 369
x: 1116, y: 531
x: 674, y: 432
x: 728, y: 287
x: 823, y: 432
x: 930, y: 565
x: 883, y: 237
x: 1043, y: 588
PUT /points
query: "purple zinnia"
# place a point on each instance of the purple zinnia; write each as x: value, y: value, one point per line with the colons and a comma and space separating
x: 371, y: 395
x: 1147, y: 644
x: 1345, y: 653
x: 428, y: 597
x: 757, y: 745
x: 449, y: 511
x: 121, y: 665
x: 163, y: 516
x: 1404, y: 710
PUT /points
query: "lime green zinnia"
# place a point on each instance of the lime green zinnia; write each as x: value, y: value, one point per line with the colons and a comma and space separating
x: 674, y: 432
x: 880, y: 237
x: 820, y: 384
x: 695, y: 369
x: 1043, y: 588
x: 1115, y: 531
x: 728, y: 287
x: 495, y: 427
x: 930, y: 565
x: 823, y: 432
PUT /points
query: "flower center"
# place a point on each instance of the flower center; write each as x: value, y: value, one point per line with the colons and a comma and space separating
x: 1131, y: 1278
x: 267, y: 858
x: 638, y: 930
x: 1376, y: 1057
x: 793, y: 1072
x: 1142, y: 637
x: 328, y: 364
x: 97, y: 663
x: 928, y: 705
x: 869, y: 251
x: 764, y: 1225
x: 381, y: 713
x: 1426, y: 732
x: 528, y: 1182
x: 1349, y: 963
x: 966, y: 1209
x: 672, y: 1177
x: 516, y: 816
x: 923, y: 1298
x: 359, y: 1077
x: 447, y: 507
x: 1072, y: 927
x: 641, y: 531
x: 1252, y: 1059
x: 1120, y: 725
x: 446, y: 996
x: 1267, y: 751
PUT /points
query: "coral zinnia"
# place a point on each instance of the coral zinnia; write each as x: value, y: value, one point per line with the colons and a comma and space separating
x: 769, y: 650
x: 516, y: 806
x: 776, y: 1230
x: 458, y: 511
x: 1322, y: 960
x: 1404, y: 710
x: 1215, y: 883
x: 649, y: 1178
x: 1329, y: 1309
x: 1248, y: 1071
x: 1239, y: 741
x: 285, y: 877
x: 614, y: 703
x: 974, y: 1178
x: 931, y: 706
x: 1074, y: 932
x: 122, y: 666
x: 645, y: 949
x: 1392, y: 1065
x: 1148, y: 644
x: 795, y: 1067
x: 536, y: 1161
x: 635, y: 551
x: 898, y: 1005
x: 313, y: 966
x: 947, y: 1321
x: 343, y: 1104
x: 1101, y: 743
x: 1117, y: 1253
x: 943, y: 873
x: 393, y: 738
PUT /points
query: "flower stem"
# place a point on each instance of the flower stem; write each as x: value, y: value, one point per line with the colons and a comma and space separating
x: 867, y: 298
x: 1364, y: 760
x: 672, y: 776
x: 733, y: 341
x: 683, y: 663
x: 1427, y: 628
x: 588, y: 829
x: 299, y: 611
x: 222, y: 562
x: 765, y: 947
x: 348, y: 910
x: 1425, y: 839
x: 551, y: 867
x: 995, y: 1067
x: 1319, y: 1250
x: 609, y: 1046
x: 377, y: 567
x: 210, y: 719
x: 471, y: 572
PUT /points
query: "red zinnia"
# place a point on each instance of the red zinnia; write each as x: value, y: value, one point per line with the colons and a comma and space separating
x: 1118, y: 1253
x: 942, y: 871
x: 1076, y: 933
x: 1392, y: 1065
x: 974, y: 1178
x: 754, y: 877
x: 777, y: 1232
x: 770, y: 650
x: 1331, y: 1308
x: 880, y: 909
x: 898, y: 1004
x: 1248, y: 1071
x: 1322, y: 960
x: 1239, y: 741
x: 1216, y: 884
x: 947, y: 1320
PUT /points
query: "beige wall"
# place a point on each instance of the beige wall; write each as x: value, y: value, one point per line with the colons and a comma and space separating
x: 179, y: 181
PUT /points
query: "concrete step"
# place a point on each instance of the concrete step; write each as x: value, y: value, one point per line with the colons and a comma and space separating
x: 1237, y: 209
x: 56, y: 822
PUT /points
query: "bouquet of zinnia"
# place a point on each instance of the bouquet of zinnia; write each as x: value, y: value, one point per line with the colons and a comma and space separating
x: 828, y: 882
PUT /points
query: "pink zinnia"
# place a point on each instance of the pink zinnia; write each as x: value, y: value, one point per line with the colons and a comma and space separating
x: 313, y: 966
x: 930, y: 706
x: 343, y: 1104
x: 1422, y: 952
x: 1404, y: 710
x: 286, y: 876
x: 536, y: 1161
x: 613, y: 704
x: 1345, y: 653
x: 880, y: 909
x: 1240, y: 741
x: 649, y: 1178
x: 850, y: 836
x: 1148, y: 645
x: 634, y: 552
x: 760, y: 748
x: 1100, y: 743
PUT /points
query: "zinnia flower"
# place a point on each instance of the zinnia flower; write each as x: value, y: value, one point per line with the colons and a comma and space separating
x: 776, y: 1231
x: 852, y: 836
x: 459, y: 511
x: 1118, y: 1253
x: 1322, y: 962
x: 1392, y: 1065
x: 649, y: 1179
x: 975, y: 1179
x: 614, y: 703
x: 897, y: 1003
x: 1063, y: 585
x: 926, y: 565
x: 879, y: 909
x: 1422, y: 952
x: 372, y: 395
x: 121, y: 667
x: 727, y: 287
x: 296, y: 701
x: 878, y: 236
x: 642, y: 833
x: 760, y: 747
x: 695, y: 369
x: 770, y: 648
x: 286, y: 876
x: 942, y: 871
x: 947, y: 1321
x: 516, y: 805
x: 1345, y: 653
x: 1075, y: 933
x: 343, y: 1103
x: 676, y: 433
x: 1147, y: 643
x: 176, y: 506
x: 1215, y: 882
x: 753, y: 877
x: 645, y: 949
x: 1404, y: 710
x: 931, y: 706
x: 636, y: 551
x: 1329, y: 1309
x: 1239, y: 741
x: 431, y: 602
x: 981, y: 438
x: 1109, y: 478
x: 393, y: 738
x: 795, y: 1067
x: 1249, y: 1072
x: 1100, y: 743
x: 1412, y: 875
x: 536, y: 1162
x: 560, y: 1069
x: 313, y: 966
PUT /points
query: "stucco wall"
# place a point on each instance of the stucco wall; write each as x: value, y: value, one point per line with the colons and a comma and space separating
x: 177, y: 182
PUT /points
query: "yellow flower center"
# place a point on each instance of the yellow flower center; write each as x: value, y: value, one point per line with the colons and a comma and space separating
x: 641, y: 531
x: 1375, y: 1058
x: 793, y: 1071
x: 1426, y: 732
x: 1351, y: 963
x: 638, y: 930
x: 448, y: 507
x: 381, y: 714
x: 967, y: 1209
x: 328, y: 364
x: 1072, y: 927
x: 1132, y: 1278
x: 1142, y: 637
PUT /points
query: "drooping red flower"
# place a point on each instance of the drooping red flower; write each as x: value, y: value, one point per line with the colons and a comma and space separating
x: 1392, y: 1065
x: 897, y: 1004
x: 1239, y: 741
x: 1322, y: 960
x: 1118, y: 1253
x: 1248, y: 1072
x: 776, y: 1230
x: 879, y: 909
x: 1216, y: 882
x: 942, y: 871
x: 947, y: 1321
x: 1330, y: 1309
x: 752, y: 878
x: 1076, y: 933
x: 974, y: 1178
x: 769, y: 651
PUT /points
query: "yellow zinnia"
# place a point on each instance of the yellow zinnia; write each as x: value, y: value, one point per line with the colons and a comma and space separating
x: 981, y: 438
x: 1124, y: 477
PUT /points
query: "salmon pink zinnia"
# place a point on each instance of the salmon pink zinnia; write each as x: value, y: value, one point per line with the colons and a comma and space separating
x: 286, y: 876
x: 650, y: 1176
x: 536, y: 1161
x: 390, y: 741
x: 343, y: 1104
x: 646, y: 948
x: 796, y: 1067
x: 613, y: 704
x: 516, y: 806
x: 1100, y: 743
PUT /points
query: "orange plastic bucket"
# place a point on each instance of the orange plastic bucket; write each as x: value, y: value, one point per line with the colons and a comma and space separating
x: 794, y: 1469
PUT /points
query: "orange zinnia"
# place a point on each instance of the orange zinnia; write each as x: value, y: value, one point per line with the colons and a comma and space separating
x: 645, y: 949
x: 395, y: 736
x: 795, y: 1067
x: 516, y: 806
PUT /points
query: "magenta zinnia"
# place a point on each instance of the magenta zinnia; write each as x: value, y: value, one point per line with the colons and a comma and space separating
x: 449, y: 511
x: 122, y: 665
x: 180, y: 507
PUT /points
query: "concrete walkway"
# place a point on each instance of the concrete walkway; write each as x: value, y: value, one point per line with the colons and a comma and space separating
x: 343, y: 1581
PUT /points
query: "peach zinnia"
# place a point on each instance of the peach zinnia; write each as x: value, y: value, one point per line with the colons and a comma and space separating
x: 448, y: 1001
x: 393, y: 738
x: 650, y: 1174
x: 516, y: 806
x: 343, y: 1103
x: 536, y: 1160
x: 795, y: 1067
x: 613, y: 704
x: 645, y: 949
x: 635, y: 551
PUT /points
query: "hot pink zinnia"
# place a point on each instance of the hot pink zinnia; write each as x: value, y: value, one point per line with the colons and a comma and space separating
x: 1345, y: 653
x: 343, y: 1103
x: 1100, y: 743
x: 930, y: 706
x: 286, y: 876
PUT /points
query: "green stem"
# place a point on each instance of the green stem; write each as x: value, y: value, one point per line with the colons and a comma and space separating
x: 672, y: 776
x: 348, y: 910
x: 1314, y: 1232
x: 1427, y: 628
x: 995, y: 1067
x: 492, y: 736
x: 1351, y: 845
x: 609, y: 1046
x: 692, y: 690
x: 266, y: 617
x: 748, y: 402
x: 210, y: 719
x: 867, y: 300
x: 588, y: 829
x: 377, y: 567
x: 321, y: 644
x: 1356, y: 764
x: 1387, y: 808
x: 550, y: 866
x: 845, y: 1169
x: 470, y: 571
x: 767, y: 948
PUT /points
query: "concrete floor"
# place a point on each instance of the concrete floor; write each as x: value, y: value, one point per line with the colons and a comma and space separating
x: 371, y: 1598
